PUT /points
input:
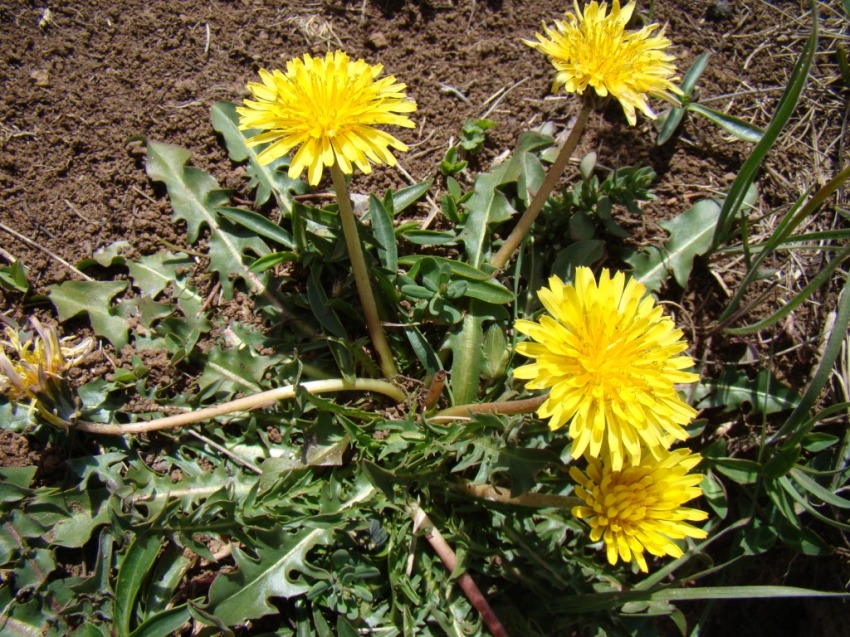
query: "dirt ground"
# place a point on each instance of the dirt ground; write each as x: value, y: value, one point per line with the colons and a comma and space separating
x: 84, y: 85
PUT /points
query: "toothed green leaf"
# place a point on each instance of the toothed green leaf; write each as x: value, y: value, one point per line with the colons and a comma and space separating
x: 93, y: 298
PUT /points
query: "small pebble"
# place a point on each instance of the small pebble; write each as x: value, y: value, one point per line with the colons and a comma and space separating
x: 41, y: 77
x: 719, y: 10
x: 378, y: 40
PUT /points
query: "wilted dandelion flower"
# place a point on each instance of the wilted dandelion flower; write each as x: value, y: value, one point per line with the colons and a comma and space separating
x: 640, y: 508
x: 329, y: 107
x: 594, y: 49
x: 611, y: 358
x: 25, y: 366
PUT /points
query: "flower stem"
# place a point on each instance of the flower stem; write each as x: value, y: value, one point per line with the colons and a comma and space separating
x: 245, y: 404
x: 361, y: 273
x: 549, y: 182
x: 533, y: 500
x: 507, y: 407
x: 465, y: 581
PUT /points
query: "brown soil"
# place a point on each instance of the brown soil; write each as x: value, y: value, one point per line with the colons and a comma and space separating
x: 84, y: 86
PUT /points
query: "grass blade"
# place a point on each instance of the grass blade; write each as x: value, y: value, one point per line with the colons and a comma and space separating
x: 824, y: 370
x: 784, y: 110
x: 817, y: 281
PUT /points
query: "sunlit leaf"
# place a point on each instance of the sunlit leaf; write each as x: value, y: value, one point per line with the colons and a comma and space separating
x: 269, y: 178
x: 279, y: 567
x: 93, y: 298
x: 14, y: 277
x: 732, y: 125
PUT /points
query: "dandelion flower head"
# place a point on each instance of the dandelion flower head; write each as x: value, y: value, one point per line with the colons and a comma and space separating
x: 327, y: 107
x: 26, y: 364
x: 594, y: 49
x: 640, y: 508
x: 612, y: 360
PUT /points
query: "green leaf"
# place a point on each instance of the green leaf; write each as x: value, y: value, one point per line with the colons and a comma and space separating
x: 690, y: 236
x: 272, y: 260
x: 168, y: 572
x: 14, y: 277
x: 784, y: 109
x: 487, y: 205
x: 227, y: 245
x: 258, y: 224
x: 824, y: 495
x: 523, y: 465
x: 196, y: 197
x: 382, y: 226
x: 796, y: 425
x: 734, y: 126
x: 457, y: 268
x: 714, y: 494
x: 322, y: 310
x: 733, y: 389
x: 816, y: 442
x: 496, y: 352
x: 600, y: 601
x: 278, y: 568
x: 490, y: 292
x: 736, y: 469
x: 134, y: 568
x: 194, y: 194
x: 670, y: 122
x: 467, y: 357
x: 93, y: 298
x: 405, y: 197
x: 781, y: 463
x: 21, y: 619
x: 429, y: 237
x: 578, y: 253
x: 90, y: 511
x: 167, y: 622
x: 227, y: 371
x: 267, y: 178
x: 154, y: 272
x: 18, y: 477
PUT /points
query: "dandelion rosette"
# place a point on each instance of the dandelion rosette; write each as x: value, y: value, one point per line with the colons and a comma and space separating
x: 329, y: 107
x: 639, y: 509
x: 594, y: 49
x: 611, y: 359
x: 25, y: 370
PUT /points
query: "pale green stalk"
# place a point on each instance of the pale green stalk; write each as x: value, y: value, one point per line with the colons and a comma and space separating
x: 245, y: 404
x: 361, y: 274
x: 549, y: 182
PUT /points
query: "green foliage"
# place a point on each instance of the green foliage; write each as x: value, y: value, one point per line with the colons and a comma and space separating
x: 473, y: 134
x: 298, y: 514
x: 14, y: 277
x: 668, y: 122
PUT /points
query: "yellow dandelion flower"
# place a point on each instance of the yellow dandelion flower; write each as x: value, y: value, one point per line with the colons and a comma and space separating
x: 24, y: 373
x: 640, y: 508
x: 329, y: 107
x: 611, y: 359
x: 594, y: 49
